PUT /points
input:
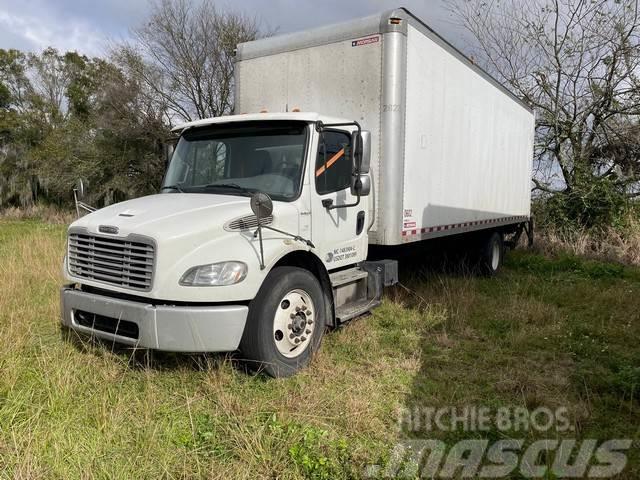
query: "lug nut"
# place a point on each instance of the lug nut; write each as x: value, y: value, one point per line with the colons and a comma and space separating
x: 310, y: 322
x: 297, y: 340
x: 308, y: 312
x: 292, y: 316
x: 289, y: 326
x: 303, y: 338
x: 297, y: 309
x: 308, y: 331
x: 304, y: 307
x: 292, y: 336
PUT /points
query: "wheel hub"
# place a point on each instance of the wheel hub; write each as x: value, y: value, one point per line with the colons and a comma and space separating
x: 299, y: 323
x: 293, y: 323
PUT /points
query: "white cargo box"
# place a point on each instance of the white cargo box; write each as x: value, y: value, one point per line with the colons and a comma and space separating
x: 452, y: 148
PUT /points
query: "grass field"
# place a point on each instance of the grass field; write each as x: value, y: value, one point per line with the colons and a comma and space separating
x: 553, y: 332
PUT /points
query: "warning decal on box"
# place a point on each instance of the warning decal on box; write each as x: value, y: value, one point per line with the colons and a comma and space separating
x: 365, y: 41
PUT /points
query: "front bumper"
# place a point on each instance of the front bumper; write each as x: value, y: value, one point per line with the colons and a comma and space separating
x: 158, y: 327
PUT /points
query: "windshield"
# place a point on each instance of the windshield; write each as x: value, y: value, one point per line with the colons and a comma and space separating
x: 239, y: 159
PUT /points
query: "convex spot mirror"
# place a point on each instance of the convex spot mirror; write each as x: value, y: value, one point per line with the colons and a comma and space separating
x: 361, y: 185
x: 261, y: 205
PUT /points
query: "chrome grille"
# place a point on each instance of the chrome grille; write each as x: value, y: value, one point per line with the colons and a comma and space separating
x: 247, y: 223
x: 117, y: 261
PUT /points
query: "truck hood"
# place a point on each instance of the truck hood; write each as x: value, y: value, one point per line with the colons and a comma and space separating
x: 188, y: 230
x: 171, y: 216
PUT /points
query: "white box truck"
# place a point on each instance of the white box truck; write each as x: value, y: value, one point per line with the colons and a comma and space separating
x: 375, y: 131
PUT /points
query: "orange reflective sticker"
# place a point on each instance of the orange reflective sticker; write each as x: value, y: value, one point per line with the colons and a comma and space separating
x: 330, y: 162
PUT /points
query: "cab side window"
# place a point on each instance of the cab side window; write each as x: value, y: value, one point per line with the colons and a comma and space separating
x: 333, y: 168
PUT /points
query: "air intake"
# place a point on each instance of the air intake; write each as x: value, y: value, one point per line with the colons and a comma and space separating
x: 247, y: 223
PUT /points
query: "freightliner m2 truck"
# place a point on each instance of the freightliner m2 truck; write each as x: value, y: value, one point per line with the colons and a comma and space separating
x: 371, y: 132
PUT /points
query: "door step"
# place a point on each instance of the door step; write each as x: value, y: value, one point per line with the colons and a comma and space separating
x: 358, y: 290
x: 347, y: 276
x: 352, y: 310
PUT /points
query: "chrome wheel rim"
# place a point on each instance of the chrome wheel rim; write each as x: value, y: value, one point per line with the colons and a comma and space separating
x: 495, y: 256
x: 294, y: 323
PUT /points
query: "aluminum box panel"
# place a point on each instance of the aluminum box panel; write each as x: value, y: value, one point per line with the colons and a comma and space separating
x: 468, y: 146
x: 452, y: 148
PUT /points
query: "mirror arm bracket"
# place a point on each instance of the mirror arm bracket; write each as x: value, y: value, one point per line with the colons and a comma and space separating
x: 298, y: 238
x: 320, y: 125
x: 328, y: 204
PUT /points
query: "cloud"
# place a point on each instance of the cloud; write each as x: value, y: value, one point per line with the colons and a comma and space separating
x: 30, y: 33
x: 85, y: 26
x: 90, y: 26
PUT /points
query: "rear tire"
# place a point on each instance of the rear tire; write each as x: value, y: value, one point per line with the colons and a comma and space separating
x: 285, y: 324
x: 492, y: 254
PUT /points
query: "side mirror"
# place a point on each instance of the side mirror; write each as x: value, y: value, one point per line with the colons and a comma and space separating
x: 361, y: 156
x: 361, y: 185
x: 79, y: 189
x: 261, y: 205
x: 168, y: 149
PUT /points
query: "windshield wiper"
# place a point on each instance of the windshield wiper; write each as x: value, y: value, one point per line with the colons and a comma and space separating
x: 172, y: 187
x: 234, y: 186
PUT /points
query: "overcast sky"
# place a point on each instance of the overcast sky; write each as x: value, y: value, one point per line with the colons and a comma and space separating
x: 89, y: 26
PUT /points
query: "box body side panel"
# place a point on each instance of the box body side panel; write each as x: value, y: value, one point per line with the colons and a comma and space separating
x: 468, y: 146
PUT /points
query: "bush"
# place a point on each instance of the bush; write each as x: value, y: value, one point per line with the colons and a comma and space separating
x: 596, y: 205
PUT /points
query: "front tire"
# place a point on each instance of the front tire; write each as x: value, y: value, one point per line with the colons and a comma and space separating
x: 285, y: 324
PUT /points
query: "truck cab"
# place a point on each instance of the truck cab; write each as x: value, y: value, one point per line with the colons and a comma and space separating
x: 257, y: 242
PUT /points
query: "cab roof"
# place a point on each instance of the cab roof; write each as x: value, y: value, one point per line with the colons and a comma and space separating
x: 256, y: 117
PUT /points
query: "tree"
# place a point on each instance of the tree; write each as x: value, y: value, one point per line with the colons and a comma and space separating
x: 18, y: 183
x: 577, y: 63
x: 186, y: 54
x: 15, y: 87
x: 65, y: 117
x: 111, y: 136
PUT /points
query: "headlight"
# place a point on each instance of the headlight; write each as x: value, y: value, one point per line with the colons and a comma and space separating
x: 214, y: 275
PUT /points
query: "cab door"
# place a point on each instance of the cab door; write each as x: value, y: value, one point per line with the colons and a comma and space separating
x: 338, y: 233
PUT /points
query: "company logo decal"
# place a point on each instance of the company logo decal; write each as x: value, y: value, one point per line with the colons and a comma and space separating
x: 365, y: 41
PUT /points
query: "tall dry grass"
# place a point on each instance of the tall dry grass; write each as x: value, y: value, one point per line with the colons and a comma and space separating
x: 70, y: 408
x: 75, y: 409
x: 45, y: 213
x: 620, y: 245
